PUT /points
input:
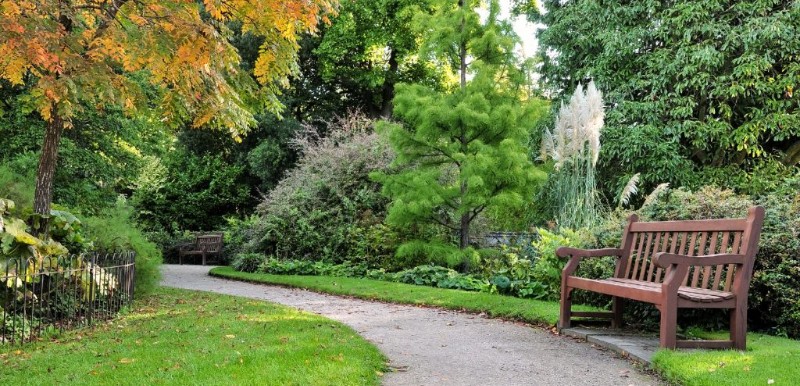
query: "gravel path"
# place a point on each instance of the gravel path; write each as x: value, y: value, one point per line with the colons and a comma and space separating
x: 436, y: 347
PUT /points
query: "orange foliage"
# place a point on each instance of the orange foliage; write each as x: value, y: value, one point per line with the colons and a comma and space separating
x: 82, y: 51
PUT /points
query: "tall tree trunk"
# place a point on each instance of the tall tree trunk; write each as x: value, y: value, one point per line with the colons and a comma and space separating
x: 463, y: 45
x: 47, y: 168
x: 464, y: 242
x: 465, y: 220
x: 388, y: 84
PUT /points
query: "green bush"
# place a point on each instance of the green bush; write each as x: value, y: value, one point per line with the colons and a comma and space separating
x: 510, y: 270
x: 314, y: 268
x: 547, y: 267
x: 775, y: 288
x: 248, y: 262
x: 15, y: 186
x: 327, y: 208
x: 238, y: 236
x: 435, y: 276
x: 189, y: 191
x: 113, y: 229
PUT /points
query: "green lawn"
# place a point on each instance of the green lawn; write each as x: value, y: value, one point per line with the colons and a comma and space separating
x: 528, y: 310
x: 178, y: 337
x: 767, y: 357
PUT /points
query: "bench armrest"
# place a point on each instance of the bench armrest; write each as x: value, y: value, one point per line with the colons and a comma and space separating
x: 576, y: 252
x: 664, y: 259
x: 579, y: 254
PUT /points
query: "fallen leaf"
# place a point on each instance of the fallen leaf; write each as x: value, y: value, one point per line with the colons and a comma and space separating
x: 126, y: 360
x: 230, y: 336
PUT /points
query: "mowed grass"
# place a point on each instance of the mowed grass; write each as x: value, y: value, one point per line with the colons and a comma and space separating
x: 768, y: 360
x: 178, y: 337
x: 767, y: 357
x: 527, y: 310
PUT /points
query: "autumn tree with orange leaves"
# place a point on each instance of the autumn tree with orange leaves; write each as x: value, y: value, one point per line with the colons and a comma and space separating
x: 77, y: 54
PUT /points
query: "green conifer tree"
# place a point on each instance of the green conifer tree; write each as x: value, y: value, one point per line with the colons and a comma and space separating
x: 464, y: 149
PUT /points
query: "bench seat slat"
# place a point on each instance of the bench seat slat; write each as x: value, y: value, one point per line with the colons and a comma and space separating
x: 646, y: 291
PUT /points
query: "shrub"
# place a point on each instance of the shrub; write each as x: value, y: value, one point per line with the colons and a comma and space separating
x: 238, y: 236
x: 306, y: 267
x: 248, y: 262
x: 548, y: 266
x: 113, y: 229
x: 510, y: 269
x: 775, y: 289
x: 190, y: 191
x: 435, y: 276
x: 327, y: 208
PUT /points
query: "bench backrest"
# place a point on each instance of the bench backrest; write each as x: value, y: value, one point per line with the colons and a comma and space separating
x: 642, y: 240
x: 212, y: 242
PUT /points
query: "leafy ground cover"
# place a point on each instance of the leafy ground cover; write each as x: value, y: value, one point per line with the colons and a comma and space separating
x: 528, y: 310
x: 184, y: 337
x: 764, y: 360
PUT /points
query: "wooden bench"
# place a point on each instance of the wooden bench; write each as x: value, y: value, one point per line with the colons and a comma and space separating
x: 674, y: 264
x: 204, y: 245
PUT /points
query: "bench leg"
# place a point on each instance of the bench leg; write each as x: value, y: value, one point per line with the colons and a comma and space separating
x: 617, y: 307
x: 204, y: 259
x: 739, y: 327
x: 669, y: 325
x: 180, y: 259
x: 565, y: 317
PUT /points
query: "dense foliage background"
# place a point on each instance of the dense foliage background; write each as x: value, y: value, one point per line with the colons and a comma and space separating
x: 412, y: 124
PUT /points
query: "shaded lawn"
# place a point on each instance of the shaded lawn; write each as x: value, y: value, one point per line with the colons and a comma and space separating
x: 179, y: 337
x: 767, y: 357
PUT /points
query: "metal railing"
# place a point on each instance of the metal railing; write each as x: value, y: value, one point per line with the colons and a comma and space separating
x: 40, y: 298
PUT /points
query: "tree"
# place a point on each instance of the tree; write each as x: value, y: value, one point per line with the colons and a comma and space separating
x: 371, y: 46
x: 72, y: 54
x: 99, y: 158
x: 463, y: 150
x: 690, y: 85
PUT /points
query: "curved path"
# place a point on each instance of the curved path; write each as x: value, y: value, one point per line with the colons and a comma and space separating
x: 437, y: 347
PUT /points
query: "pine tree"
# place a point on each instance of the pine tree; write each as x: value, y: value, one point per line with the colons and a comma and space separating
x: 465, y: 149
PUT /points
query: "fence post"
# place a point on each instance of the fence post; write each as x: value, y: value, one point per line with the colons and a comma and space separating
x: 91, y: 287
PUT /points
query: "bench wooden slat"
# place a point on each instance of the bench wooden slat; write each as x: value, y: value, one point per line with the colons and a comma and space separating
x: 718, y: 225
x: 690, y: 252
x: 701, y: 250
x: 690, y: 293
x: 712, y: 249
x: 718, y: 269
x: 644, y: 255
x: 737, y: 247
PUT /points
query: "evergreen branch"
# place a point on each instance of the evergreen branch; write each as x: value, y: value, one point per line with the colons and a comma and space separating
x: 443, y: 223
x: 476, y: 212
x: 435, y: 149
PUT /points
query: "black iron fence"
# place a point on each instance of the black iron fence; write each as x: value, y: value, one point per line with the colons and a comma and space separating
x: 42, y: 297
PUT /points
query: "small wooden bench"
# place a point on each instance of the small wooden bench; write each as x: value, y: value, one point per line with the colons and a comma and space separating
x: 674, y: 264
x: 209, y: 244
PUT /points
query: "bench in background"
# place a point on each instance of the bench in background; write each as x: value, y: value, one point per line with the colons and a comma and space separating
x: 204, y: 245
